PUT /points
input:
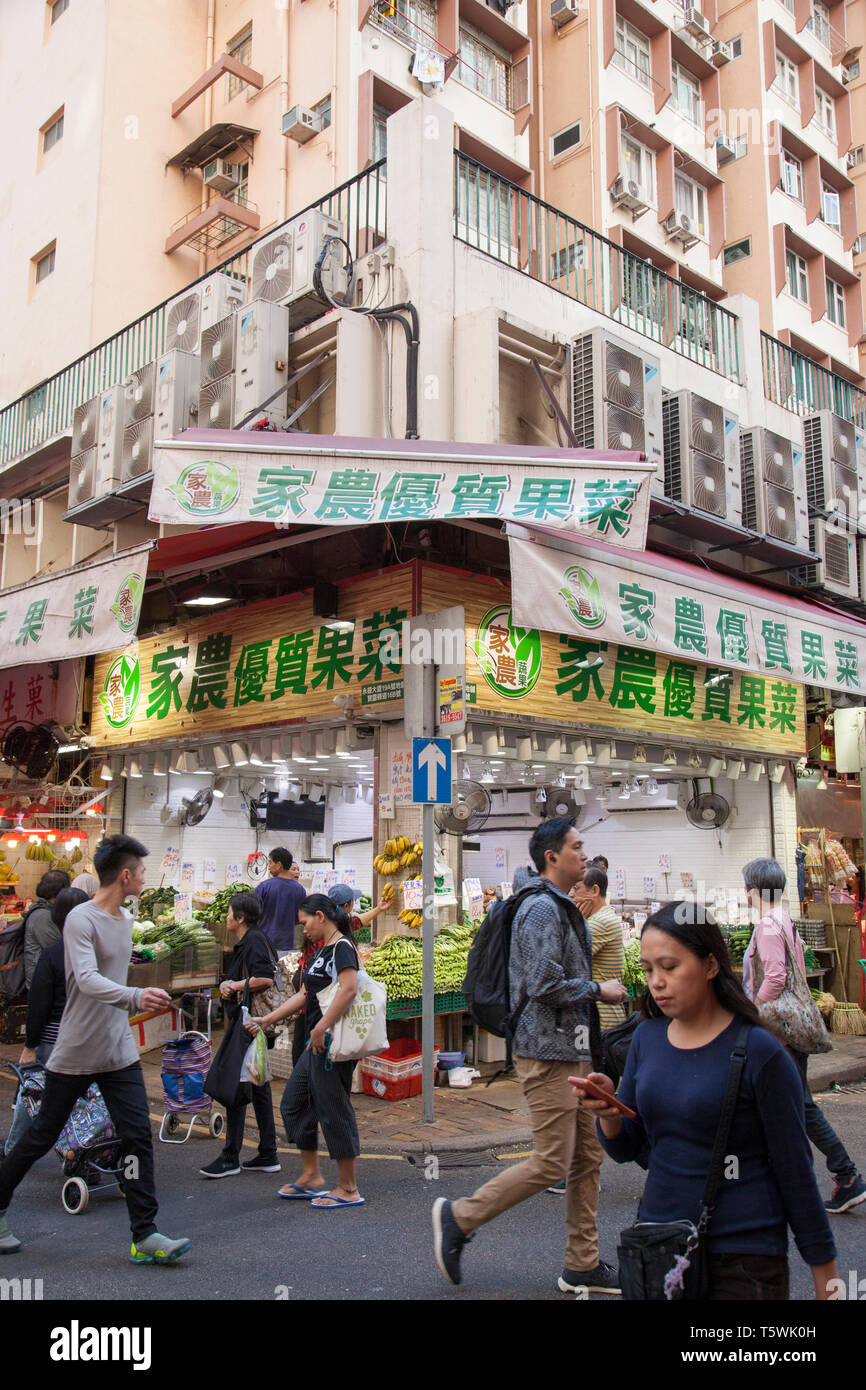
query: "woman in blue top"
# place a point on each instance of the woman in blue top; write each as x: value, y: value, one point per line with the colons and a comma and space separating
x: 675, y: 1078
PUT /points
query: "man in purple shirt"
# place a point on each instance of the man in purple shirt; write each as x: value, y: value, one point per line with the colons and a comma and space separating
x: 280, y: 896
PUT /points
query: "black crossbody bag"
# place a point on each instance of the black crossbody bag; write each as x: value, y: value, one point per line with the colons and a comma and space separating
x: 661, y: 1261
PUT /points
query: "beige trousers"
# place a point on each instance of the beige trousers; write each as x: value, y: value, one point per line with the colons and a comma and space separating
x: 565, y: 1144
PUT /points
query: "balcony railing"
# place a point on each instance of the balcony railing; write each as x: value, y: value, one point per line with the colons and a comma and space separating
x: 504, y: 221
x: 796, y: 382
x: 46, y: 411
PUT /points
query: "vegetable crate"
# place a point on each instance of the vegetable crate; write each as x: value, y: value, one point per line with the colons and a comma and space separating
x: 363, y: 934
x: 394, y: 1074
x: 411, y: 1008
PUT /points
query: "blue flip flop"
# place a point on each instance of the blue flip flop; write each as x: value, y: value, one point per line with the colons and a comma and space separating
x: 338, y: 1202
x: 301, y: 1194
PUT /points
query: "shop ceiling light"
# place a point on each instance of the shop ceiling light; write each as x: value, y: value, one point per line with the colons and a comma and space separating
x: 350, y: 792
x: 540, y: 797
x: 106, y: 772
x: 287, y: 744
x: 735, y: 768
x: 652, y: 786
x: 580, y: 753
x: 487, y: 774
x: 205, y: 760
x: 524, y: 750
x: 822, y: 784
x: 342, y: 749
x: 335, y: 795
x: 755, y: 772
x: 605, y: 752
x: 160, y: 768
x: 238, y: 755
x: 695, y: 760
x: 135, y: 768
x: 220, y: 756
x: 716, y: 767
x: 458, y: 743
x: 317, y: 791
x: 669, y: 758
x: 326, y: 742
x: 554, y: 749
x: 638, y: 753
x: 490, y: 743
x: 293, y: 792
x: 174, y: 765
x: 581, y: 778
x: 777, y: 772
x: 256, y: 755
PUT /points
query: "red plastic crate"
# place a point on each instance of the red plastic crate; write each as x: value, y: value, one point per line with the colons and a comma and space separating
x: 395, y: 1073
x: 383, y: 1089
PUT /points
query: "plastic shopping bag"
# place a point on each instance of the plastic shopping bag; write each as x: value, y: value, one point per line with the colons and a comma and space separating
x: 257, y: 1063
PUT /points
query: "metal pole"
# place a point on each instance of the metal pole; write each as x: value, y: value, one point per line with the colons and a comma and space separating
x: 429, y: 918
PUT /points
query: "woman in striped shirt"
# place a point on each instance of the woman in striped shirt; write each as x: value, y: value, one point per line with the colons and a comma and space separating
x: 605, y: 928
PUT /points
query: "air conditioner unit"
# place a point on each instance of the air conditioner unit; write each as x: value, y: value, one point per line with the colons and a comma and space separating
x: 832, y: 482
x: 678, y: 227
x: 261, y: 357
x: 616, y: 398
x: 301, y: 124
x: 222, y: 175
x: 721, y: 53
x: 218, y: 350
x: 138, y: 392
x: 702, y: 455
x: 110, y: 444
x: 561, y: 11
x: 726, y: 149
x: 190, y: 313
x: 137, y: 450
x: 85, y: 426
x: 177, y: 388
x: 838, y: 569
x: 216, y: 404
x: 82, y: 477
x: 695, y: 23
x: 773, y: 477
x: 627, y: 193
x: 283, y: 265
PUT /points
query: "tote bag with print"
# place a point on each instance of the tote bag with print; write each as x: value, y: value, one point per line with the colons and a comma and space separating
x: 363, y: 1028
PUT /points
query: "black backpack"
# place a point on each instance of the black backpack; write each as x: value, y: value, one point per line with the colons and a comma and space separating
x: 12, y: 962
x: 615, y: 1043
x: 486, y: 987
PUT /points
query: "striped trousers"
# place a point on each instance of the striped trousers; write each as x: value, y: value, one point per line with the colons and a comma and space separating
x: 316, y: 1097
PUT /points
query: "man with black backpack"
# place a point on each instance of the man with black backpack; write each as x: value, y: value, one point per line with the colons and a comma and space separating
x: 554, y: 1023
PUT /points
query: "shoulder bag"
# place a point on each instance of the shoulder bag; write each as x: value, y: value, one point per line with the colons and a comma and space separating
x: 280, y: 992
x: 793, y: 1015
x: 668, y: 1260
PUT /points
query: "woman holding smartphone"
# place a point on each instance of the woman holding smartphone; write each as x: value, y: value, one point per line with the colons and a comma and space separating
x: 675, y: 1080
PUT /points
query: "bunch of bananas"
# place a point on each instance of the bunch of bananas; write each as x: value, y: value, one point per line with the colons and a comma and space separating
x: 398, y: 854
x: 389, y: 892
x: 6, y: 874
x: 410, y: 918
x: 41, y: 850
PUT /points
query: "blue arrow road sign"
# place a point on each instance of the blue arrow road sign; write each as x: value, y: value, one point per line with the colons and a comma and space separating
x: 431, y: 770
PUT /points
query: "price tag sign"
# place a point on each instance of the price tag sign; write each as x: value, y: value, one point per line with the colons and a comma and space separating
x: 171, y: 861
x: 665, y: 863
x: 413, y: 894
x: 639, y: 921
x: 500, y: 858
x: 688, y: 881
x: 506, y: 889
x: 182, y: 907
x: 649, y: 885
x: 187, y: 875
x: 320, y: 880
x: 473, y: 897
x: 233, y: 873
x: 209, y: 871
x: 655, y: 907
x: 386, y: 806
x: 619, y: 876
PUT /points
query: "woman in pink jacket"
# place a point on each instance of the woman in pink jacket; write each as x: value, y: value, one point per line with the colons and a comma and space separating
x: 765, y: 883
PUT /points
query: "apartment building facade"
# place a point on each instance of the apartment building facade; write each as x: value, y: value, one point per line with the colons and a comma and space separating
x: 854, y: 77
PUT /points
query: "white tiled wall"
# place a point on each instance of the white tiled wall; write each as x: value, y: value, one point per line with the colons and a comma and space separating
x: 226, y: 835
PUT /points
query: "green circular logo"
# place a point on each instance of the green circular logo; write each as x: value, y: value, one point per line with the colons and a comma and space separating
x: 582, y: 597
x: 509, y: 657
x: 207, y: 488
x: 127, y: 602
x: 120, y: 694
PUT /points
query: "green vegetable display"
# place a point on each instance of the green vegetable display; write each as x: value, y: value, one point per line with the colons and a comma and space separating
x: 217, y: 911
x: 632, y: 975
x: 153, y: 901
x: 738, y: 942
x: 398, y: 962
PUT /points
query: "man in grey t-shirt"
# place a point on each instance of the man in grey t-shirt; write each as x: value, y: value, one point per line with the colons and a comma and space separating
x: 95, y: 1044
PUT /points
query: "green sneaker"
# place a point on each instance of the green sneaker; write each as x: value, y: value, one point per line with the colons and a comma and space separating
x: 158, y: 1250
x: 9, y: 1244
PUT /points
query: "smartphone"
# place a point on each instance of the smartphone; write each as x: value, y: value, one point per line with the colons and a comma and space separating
x: 596, y: 1093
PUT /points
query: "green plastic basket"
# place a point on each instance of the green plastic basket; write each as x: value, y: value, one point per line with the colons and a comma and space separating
x: 363, y: 934
x: 411, y: 1008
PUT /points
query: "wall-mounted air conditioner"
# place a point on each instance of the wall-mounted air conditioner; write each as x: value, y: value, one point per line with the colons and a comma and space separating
x: 773, y: 477
x: 218, y: 350
x: 97, y: 443
x: 137, y: 459
x: 82, y: 477
x: 283, y: 266
x: 627, y: 193
x: 702, y: 455
x: 177, y: 389
x: 261, y: 357
x: 561, y: 11
x: 216, y: 404
x: 221, y: 175
x: 721, y: 53
x: 138, y: 394
x: 302, y: 124
x: 85, y: 426
x: 108, y: 463
x: 190, y: 313
x: 678, y: 226
x: 726, y: 149
x: 838, y: 569
x: 695, y: 23
x: 616, y: 398
x: 833, y: 484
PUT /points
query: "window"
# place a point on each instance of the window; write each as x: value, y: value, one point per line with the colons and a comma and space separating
x: 825, y: 113
x: 380, y: 132
x: 241, y: 48
x: 483, y: 66
x: 57, y: 9
x: 738, y: 251
x: 835, y: 302
x: 567, y: 260
x: 852, y: 71
x: 797, y: 276
x: 792, y: 176
x: 686, y: 94
x: 412, y: 20
x: 736, y: 47
x: 52, y: 133
x: 227, y: 227
x: 856, y: 157
x: 787, y: 82
x: 788, y: 4
x: 638, y: 163
x: 323, y: 109
x: 831, y: 207
x: 632, y: 52
x: 45, y: 264
x: 820, y: 23
x: 565, y: 140
x: 690, y: 200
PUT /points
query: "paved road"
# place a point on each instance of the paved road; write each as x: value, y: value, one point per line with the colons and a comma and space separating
x: 249, y: 1245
